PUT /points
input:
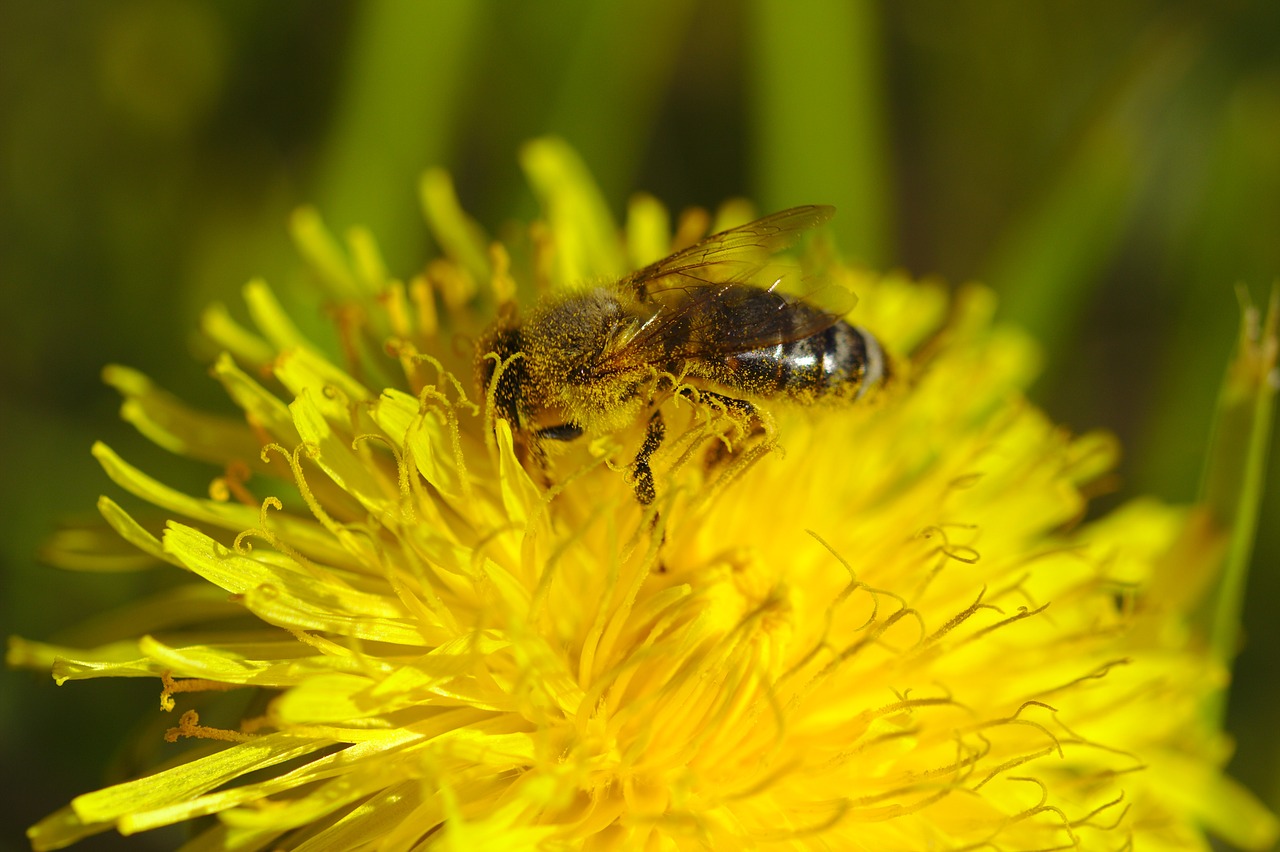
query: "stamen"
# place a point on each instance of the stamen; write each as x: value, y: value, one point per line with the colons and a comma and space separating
x: 1020, y: 760
x: 423, y: 298
x: 500, y: 280
x: 173, y: 687
x: 490, y: 399
x: 1087, y: 819
x: 960, y: 617
x: 960, y: 553
x: 263, y: 531
x: 408, y: 509
x: 426, y: 398
x: 189, y: 726
x: 231, y: 484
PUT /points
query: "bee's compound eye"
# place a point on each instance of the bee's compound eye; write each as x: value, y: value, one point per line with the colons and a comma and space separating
x: 579, y: 375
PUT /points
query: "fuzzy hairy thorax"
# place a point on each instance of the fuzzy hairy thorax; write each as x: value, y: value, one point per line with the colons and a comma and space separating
x: 568, y: 376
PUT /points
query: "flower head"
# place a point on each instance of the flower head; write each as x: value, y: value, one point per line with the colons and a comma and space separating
x: 878, y: 626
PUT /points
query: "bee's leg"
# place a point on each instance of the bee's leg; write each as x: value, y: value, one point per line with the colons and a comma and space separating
x: 753, y: 423
x: 739, y: 406
x: 538, y: 439
x: 560, y: 432
x: 653, y: 435
x: 733, y: 405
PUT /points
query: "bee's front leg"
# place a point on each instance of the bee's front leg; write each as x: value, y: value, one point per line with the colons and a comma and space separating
x: 653, y: 435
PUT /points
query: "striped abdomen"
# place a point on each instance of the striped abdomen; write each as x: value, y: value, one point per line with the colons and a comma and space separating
x: 841, y: 360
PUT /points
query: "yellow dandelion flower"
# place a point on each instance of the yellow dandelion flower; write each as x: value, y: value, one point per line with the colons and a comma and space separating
x: 882, y: 626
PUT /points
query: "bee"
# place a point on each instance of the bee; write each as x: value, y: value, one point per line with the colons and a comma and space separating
x: 725, y: 322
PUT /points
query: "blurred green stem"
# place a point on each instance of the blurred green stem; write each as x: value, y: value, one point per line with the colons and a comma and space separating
x: 612, y: 83
x: 395, y: 116
x: 1235, y: 471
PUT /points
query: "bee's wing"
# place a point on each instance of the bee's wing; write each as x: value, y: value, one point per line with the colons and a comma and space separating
x: 730, y: 293
x: 739, y: 254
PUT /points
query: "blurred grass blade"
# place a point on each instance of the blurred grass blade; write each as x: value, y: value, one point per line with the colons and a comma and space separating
x: 1235, y: 470
x: 395, y: 116
x: 817, y: 116
x: 612, y: 82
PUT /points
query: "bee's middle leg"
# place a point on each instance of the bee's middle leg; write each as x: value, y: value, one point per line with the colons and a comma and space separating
x: 752, y: 423
x: 731, y: 403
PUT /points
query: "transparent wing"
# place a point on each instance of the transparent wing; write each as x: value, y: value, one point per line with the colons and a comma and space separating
x: 741, y: 254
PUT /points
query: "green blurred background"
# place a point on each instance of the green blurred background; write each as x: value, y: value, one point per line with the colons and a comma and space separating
x: 1112, y: 167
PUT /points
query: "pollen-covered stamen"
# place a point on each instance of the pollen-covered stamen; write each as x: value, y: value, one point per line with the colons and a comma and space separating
x: 1088, y: 819
x: 854, y: 585
x: 404, y: 477
x: 263, y: 531
x: 411, y: 359
x: 232, y: 484
x: 1073, y: 842
x: 172, y: 687
x: 1022, y: 613
x: 422, y: 295
x: 869, y: 637
x: 300, y: 479
x: 709, y: 422
x: 340, y: 531
x: 189, y: 726
x: 1097, y: 673
x: 242, y: 545
x: 501, y: 365
x: 1054, y: 746
x: 956, y: 620
x: 739, y: 463
x: 350, y: 323
x: 958, y: 552
x: 433, y: 401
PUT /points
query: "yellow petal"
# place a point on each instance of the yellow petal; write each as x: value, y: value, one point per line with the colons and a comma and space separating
x: 586, y: 238
x: 322, y: 253
x: 459, y: 236
x: 217, y: 325
x: 174, y: 426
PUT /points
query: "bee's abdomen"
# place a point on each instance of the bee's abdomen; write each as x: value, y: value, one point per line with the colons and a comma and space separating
x: 840, y: 360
